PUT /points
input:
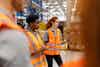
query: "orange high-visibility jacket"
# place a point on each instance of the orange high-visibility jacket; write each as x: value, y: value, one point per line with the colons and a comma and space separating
x: 55, y: 40
x: 37, y: 60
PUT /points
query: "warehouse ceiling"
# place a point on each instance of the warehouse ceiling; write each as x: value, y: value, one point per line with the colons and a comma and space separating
x: 55, y: 8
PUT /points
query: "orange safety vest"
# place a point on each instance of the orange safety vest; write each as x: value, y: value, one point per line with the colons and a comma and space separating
x: 53, y: 39
x: 37, y: 60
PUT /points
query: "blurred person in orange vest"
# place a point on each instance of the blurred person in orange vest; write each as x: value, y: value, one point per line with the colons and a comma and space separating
x: 53, y: 40
x: 14, y: 48
x: 37, y: 56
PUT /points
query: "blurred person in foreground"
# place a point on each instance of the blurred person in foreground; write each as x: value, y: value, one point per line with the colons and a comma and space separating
x: 53, y: 41
x: 14, y: 48
x: 90, y: 30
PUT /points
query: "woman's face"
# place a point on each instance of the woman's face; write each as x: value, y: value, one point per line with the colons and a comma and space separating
x: 56, y: 23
